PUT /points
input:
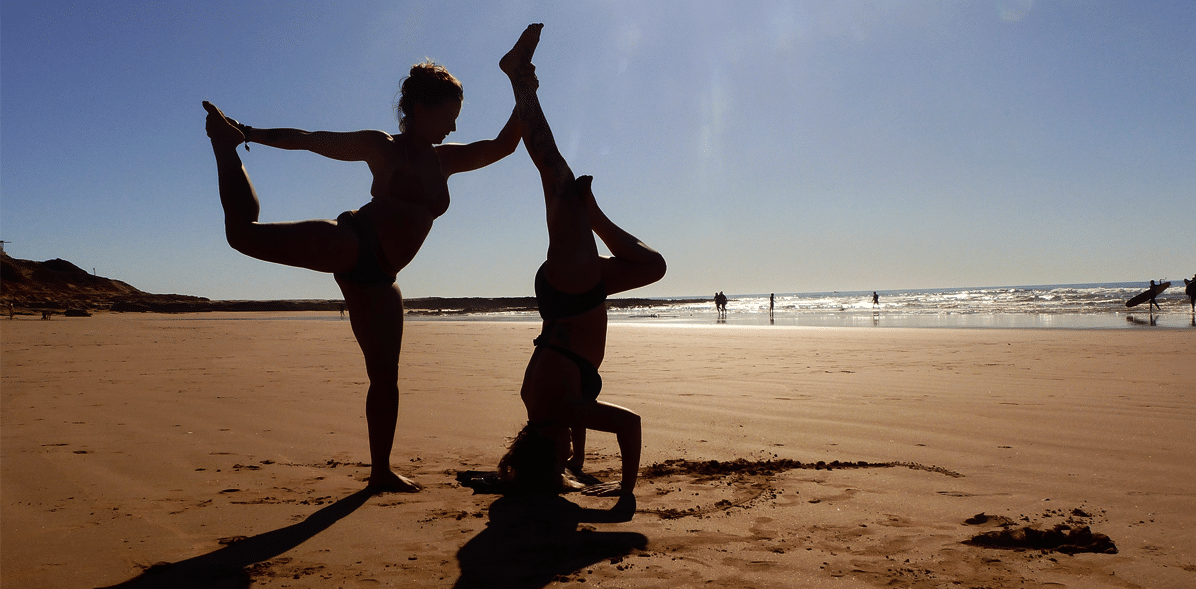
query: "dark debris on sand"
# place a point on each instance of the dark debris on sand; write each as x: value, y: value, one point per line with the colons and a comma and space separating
x: 1069, y: 536
x: 983, y: 518
x: 740, y: 466
x: 1061, y: 538
x: 760, y: 471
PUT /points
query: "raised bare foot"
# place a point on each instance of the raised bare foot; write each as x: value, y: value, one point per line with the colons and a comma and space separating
x: 221, y: 129
x: 392, y: 483
x: 520, y: 56
x: 582, y: 186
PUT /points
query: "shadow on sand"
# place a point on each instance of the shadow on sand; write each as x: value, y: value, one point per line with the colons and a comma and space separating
x: 532, y: 540
x: 225, y: 568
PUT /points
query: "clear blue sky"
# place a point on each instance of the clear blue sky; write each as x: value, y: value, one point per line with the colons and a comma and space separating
x: 760, y: 146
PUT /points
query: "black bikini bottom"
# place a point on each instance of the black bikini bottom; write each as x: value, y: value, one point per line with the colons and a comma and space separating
x: 555, y: 304
x: 591, y: 381
x: 369, y: 268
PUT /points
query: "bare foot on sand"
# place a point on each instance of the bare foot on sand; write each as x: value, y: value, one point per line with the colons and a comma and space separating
x: 520, y: 56
x: 569, y: 484
x: 577, y: 474
x: 392, y: 483
x: 221, y: 129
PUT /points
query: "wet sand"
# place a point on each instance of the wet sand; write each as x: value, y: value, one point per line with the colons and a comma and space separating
x: 229, y: 451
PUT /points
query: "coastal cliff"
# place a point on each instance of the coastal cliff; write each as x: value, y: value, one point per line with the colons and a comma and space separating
x: 60, y: 286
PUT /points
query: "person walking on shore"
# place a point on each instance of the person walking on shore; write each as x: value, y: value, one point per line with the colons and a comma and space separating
x: 364, y: 249
x: 561, y: 383
x: 1190, y: 290
x: 1154, y: 292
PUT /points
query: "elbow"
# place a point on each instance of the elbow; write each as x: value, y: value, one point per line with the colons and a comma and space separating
x: 509, y: 147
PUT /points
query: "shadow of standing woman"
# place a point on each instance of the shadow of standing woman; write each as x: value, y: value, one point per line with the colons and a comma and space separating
x: 225, y: 568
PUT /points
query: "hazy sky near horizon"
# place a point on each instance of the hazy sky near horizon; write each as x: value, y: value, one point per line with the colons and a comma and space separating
x: 760, y: 146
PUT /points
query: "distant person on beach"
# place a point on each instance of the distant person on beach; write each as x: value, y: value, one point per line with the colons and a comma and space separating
x: 364, y: 249
x: 772, y: 301
x: 875, y: 299
x: 1154, y: 293
x: 1190, y: 290
x: 561, y: 383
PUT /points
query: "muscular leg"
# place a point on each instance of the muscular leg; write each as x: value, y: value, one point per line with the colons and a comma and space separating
x: 316, y: 245
x: 572, y: 264
x: 376, y: 316
x: 633, y: 264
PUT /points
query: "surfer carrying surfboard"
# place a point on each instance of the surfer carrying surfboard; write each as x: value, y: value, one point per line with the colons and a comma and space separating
x: 1154, y: 292
x: 1149, y: 295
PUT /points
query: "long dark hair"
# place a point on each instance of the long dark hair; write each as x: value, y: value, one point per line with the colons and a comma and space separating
x: 530, y: 462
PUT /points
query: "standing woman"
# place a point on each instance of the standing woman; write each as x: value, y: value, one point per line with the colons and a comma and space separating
x: 561, y: 383
x: 364, y: 249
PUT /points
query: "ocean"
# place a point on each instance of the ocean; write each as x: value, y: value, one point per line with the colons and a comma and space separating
x: 1058, y: 306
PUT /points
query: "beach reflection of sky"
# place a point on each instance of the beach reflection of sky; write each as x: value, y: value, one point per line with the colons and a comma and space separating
x: 1076, y: 306
x: 887, y: 319
x: 1141, y: 320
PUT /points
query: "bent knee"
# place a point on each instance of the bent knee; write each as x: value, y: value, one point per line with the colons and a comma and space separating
x: 631, y: 422
x: 655, y: 267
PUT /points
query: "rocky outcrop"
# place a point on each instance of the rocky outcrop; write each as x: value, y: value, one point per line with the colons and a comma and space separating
x: 60, y: 286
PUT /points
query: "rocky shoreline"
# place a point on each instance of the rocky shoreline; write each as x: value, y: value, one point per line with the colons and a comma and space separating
x: 58, y: 286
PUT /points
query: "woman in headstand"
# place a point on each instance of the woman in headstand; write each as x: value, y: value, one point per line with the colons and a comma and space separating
x: 364, y: 249
x: 561, y: 383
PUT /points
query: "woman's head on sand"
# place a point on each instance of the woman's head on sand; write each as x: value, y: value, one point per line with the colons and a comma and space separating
x: 428, y: 86
x: 533, y: 462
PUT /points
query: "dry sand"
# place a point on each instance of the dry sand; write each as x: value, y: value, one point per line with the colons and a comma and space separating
x: 235, y: 449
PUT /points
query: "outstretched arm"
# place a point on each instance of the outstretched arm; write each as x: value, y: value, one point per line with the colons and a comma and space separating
x: 355, y: 146
x: 459, y: 157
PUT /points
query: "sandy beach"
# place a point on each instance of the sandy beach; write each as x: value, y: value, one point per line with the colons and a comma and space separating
x: 224, y: 450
